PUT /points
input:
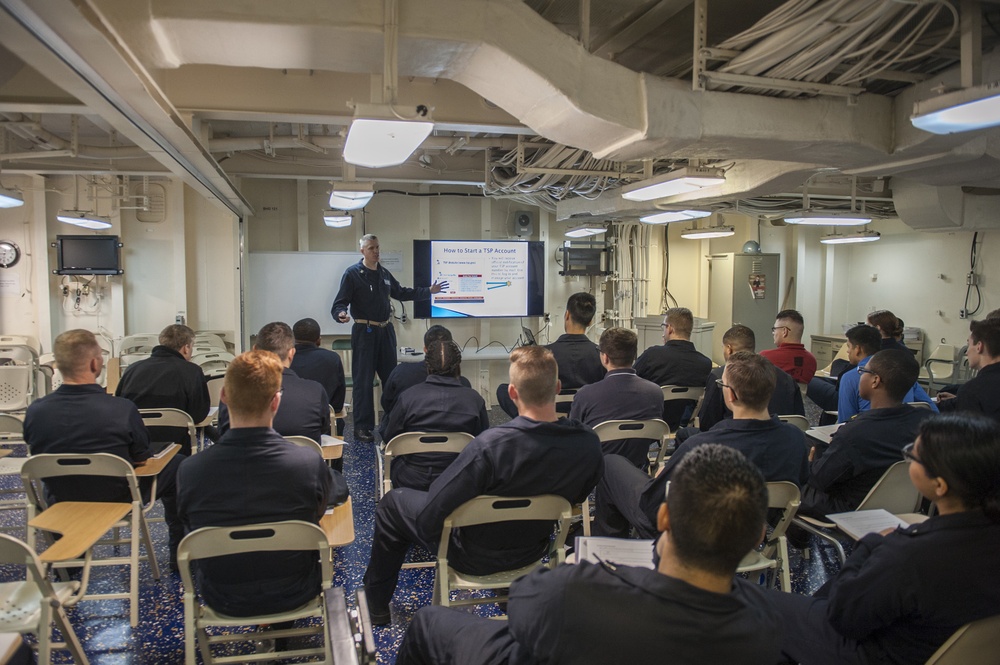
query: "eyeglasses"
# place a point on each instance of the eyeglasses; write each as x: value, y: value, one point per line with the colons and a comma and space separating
x: 719, y: 383
x: 908, y: 453
x: 865, y: 370
x: 777, y: 328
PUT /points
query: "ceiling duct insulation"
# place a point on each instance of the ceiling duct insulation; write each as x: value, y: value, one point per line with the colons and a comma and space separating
x: 951, y: 208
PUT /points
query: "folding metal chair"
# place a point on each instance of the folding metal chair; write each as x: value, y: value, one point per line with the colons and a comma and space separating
x: 793, y: 419
x: 171, y: 418
x: 976, y: 642
x: 409, y: 443
x: 773, y: 556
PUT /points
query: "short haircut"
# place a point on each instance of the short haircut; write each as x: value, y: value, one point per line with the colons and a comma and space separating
x: 886, y: 322
x: 620, y: 345
x: 995, y: 314
x: 74, y: 349
x: 533, y: 371
x: 681, y: 319
x: 718, y: 507
x: 365, y: 238
x: 306, y: 330
x: 897, y: 369
x: 741, y: 338
x: 252, y: 379
x: 752, y: 378
x: 444, y: 358
x: 793, y: 316
x: 436, y: 333
x: 964, y: 449
x: 176, y: 336
x: 866, y: 337
x: 581, y: 307
x: 277, y: 338
x: 987, y: 331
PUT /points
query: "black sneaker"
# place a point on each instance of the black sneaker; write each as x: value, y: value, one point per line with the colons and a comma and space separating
x: 363, y: 435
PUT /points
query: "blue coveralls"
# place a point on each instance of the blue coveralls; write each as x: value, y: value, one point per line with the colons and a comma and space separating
x: 373, y: 347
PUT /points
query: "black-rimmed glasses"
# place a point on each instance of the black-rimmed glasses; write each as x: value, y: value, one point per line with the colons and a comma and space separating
x: 719, y: 383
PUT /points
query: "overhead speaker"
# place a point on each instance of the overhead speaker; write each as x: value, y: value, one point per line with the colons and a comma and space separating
x: 524, y: 223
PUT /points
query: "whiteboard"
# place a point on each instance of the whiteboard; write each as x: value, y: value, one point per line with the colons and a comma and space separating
x: 288, y: 286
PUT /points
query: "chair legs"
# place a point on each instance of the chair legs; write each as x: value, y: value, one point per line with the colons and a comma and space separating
x: 825, y: 536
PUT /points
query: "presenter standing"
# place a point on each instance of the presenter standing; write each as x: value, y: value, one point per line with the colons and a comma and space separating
x: 366, y: 288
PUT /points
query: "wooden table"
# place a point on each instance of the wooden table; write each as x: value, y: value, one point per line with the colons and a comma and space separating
x: 4, y: 452
x: 81, y: 524
x: 338, y: 523
x: 154, y: 465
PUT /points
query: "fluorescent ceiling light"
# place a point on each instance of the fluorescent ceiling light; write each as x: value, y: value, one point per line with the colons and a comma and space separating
x: 584, y: 230
x: 959, y: 111
x: 860, y: 236
x: 675, y: 216
x: 351, y: 195
x: 87, y: 220
x: 380, y: 137
x: 682, y: 181
x: 11, y: 198
x: 827, y: 218
x: 336, y: 219
x: 710, y: 232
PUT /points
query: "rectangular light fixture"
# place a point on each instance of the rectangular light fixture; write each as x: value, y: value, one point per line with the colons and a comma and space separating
x: 682, y: 181
x: 675, y: 216
x: 336, y: 219
x: 828, y: 218
x: 586, y: 229
x: 710, y: 232
x: 351, y: 195
x: 860, y: 236
x: 959, y: 111
x: 87, y: 220
x: 10, y: 198
x: 379, y: 137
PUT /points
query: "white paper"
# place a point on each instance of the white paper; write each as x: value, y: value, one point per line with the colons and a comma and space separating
x: 859, y: 523
x: 10, y: 284
x: 824, y: 433
x: 617, y: 551
x: 327, y: 440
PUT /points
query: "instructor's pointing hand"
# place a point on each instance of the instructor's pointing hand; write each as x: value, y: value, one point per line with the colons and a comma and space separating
x: 343, y: 317
x: 438, y: 288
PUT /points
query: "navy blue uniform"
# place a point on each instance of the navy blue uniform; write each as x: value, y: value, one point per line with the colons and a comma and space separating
x: 166, y: 380
x: 676, y: 363
x: 898, y: 597
x: 579, y: 363
x: 253, y: 475
x: 859, y: 453
x: 981, y: 394
x: 325, y: 368
x: 367, y: 293
x: 439, y: 404
x: 627, y: 496
x: 85, y: 419
x: 403, y: 376
x: 592, y: 615
x: 304, y: 409
x: 620, y: 395
x: 523, y: 457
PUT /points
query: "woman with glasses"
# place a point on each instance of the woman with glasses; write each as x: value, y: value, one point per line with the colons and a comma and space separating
x: 903, y: 592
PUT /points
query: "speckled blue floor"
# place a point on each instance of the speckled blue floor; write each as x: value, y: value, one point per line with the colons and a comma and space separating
x: 108, y: 639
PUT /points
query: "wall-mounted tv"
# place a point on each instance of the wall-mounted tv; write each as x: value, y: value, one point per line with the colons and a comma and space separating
x: 486, y: 278
x: 88, y: 255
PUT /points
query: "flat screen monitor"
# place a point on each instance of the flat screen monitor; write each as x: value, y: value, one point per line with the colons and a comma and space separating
x: 88, y: 255
x: 486, y: 278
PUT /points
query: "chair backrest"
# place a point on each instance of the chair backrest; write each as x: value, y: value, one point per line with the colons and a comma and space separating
x: 409, y: 443
x: 54, y: 465
x: 213, y: 363
x: 11, y: 428
x: 215, y: 389
x: 618, y: 430
x: 893, y: 492
x: 786, y: 496
x: 289, y: 536
x: 227, y: 336
x: 492, y: 509
x: 305, y: 442
x: 141, y: 344
x: 16, y: 386
x: 210, y: 340
x: 671, y: 393
x: 18, y: 553
x: 171, y: 418
x: 19, y: 354
x: 976, y: 642
x: 566, y: 396
x: 793, y: 419
x: 21, y: 340
x: 920, y: 405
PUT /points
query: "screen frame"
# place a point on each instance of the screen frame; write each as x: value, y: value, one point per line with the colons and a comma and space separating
x: 113, y: 241
x: 536, y: 278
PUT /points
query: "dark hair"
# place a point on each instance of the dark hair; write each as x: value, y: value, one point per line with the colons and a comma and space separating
x: 681, y: 320
x: 741, y: 338
x: 620, y: 345
x: 886, y: 322
x: 995, y: 314
x: 867, y: 337
x: 436, y: 333
x: 752, y: 378
x: 306, y: 330
x: 897, y: 369
x: 987, y: 331
x: 277, y: 338
x: 176, y: 336
x: 790, y: 315
x: 444, y: 358
x: 581, y: 307
x: 964, y: 450
x: 718, y: 505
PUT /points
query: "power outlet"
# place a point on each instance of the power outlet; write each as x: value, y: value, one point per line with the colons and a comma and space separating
x: 963, y: 313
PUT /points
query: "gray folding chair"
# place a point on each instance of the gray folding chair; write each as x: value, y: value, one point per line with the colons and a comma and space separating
x: 171, y: 418
x: 799, y: 421
x: 305, y: 442
x: 409, y: 443
x: 773, y: 556
x: 976, y: 642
